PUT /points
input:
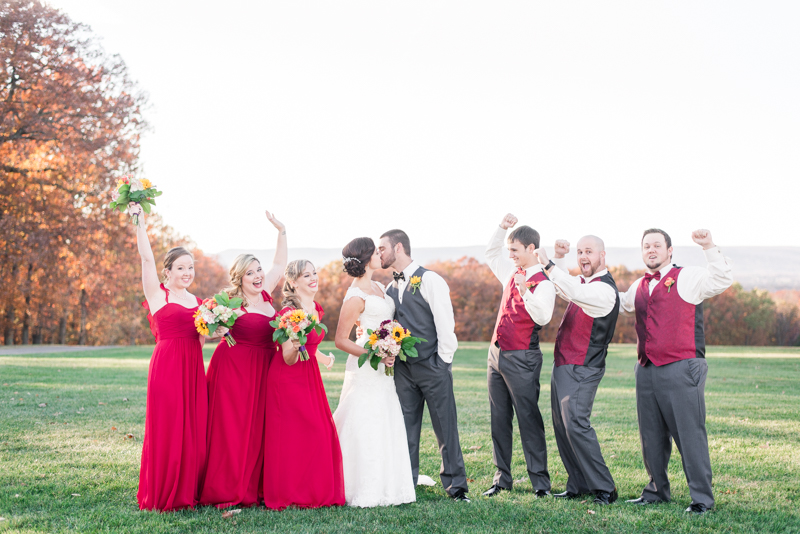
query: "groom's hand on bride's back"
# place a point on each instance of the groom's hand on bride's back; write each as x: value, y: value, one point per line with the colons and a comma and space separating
x: 508, y: 221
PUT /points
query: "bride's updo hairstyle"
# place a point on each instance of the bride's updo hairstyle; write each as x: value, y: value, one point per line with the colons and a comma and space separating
x: 237, y: 272
x: 293, y: 271
x: 356, y: 256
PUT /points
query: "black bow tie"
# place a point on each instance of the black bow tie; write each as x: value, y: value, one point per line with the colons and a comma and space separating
x: 399, y: 276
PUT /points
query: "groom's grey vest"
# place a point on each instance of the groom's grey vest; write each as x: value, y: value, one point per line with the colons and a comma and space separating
x: 416, y: 316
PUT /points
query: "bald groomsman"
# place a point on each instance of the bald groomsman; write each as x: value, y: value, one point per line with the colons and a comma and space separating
x: 671, y: 373
x: 580, y: 363
x: 515, y: 360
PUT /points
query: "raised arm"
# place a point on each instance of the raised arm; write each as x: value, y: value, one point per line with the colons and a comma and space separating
x: 501, y: 266
x: 696, y: 284
x: 275, y: 272
x: 156, y: 299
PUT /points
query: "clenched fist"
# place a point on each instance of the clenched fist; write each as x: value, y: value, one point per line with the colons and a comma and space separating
x: 562, y: 248
x: 703, y: 238
x: 508, y: 221
x: 519, y: 281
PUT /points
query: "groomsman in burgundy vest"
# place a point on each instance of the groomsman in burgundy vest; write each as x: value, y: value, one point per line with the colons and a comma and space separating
x: 580, y: 363
x: 515, y: 360
x: 671, y: 373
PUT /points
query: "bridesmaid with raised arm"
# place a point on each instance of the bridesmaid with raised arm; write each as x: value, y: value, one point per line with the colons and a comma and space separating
x: 302, y: 457
x: 174, y: 448
x: 237, y: 384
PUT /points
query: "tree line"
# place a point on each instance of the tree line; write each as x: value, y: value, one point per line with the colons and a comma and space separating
x: 70, y: 123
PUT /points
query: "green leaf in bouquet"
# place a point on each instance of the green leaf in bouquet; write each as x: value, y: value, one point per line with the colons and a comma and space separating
x: 277, y: 335
x: 123, y: 199
x: 124, y: 188
x: 411, y: 352
x: 235, y: 303
x: 222, y: 299
x: 324, y: 328
x: 374, y: 361
x: 112, y: 205
x: 211, y: 328
x: 156, y: 193
x: 362, y: 359
x: 145, y: 206
x: 302, y: 339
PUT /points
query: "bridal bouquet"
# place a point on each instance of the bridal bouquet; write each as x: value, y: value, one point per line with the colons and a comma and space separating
x: 390, y: 339
x: 131, y: 189
x: 217, y: 311
x: 296, y: 324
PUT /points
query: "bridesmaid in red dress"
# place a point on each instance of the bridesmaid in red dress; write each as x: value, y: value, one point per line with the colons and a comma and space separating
x: 302, y: 457
x: 237, y: 385
x: 174, y: 449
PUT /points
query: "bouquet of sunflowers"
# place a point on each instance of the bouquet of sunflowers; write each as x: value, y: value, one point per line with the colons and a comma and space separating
x: 390, y: 339
x: 131, y: 189
x: 217, y: 311
x: 296, y: 324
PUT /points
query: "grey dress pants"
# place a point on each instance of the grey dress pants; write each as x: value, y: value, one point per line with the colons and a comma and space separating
x: 513, y: 377
x: 431, y: 380
x: 572, y: 392
x: 670, y: 403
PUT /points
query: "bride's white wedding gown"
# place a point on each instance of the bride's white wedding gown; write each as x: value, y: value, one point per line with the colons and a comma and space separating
x: 369, y: 420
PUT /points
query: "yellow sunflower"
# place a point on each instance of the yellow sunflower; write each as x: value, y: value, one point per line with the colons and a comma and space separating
x: 398, y: 333
x: 147, y: 184
x: 373, y: 338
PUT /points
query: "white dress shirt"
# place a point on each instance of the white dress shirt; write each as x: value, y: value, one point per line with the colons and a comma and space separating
x: 596, y: 300
x: 695, y: 284
x: 436, y: 293
x: 539, y: 304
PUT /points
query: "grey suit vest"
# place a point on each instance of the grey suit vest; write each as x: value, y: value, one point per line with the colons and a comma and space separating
x: 416, y: 316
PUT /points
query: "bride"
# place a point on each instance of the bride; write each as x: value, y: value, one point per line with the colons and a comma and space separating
x: 369, y: 420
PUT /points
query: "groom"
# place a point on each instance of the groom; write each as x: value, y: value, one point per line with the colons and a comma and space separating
x: 422, y: 302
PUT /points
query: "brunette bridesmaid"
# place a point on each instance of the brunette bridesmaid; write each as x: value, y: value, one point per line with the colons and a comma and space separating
x: 174, y: 450
x: 237, y: 384
x: 302, y: 457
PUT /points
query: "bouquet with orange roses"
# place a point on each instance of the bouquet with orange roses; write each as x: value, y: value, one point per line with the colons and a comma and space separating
x: 296, y: 324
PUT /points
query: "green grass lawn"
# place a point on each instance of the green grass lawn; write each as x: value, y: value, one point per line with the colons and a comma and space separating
x: 68, y: 466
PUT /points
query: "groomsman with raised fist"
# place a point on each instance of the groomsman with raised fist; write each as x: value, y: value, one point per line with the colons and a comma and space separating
x: 671, y: 372
x: 515, y: 360
x: 580, y: 363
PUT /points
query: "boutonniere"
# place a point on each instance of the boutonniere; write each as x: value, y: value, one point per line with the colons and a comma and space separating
x: 531, y: 284
x: 669, y: 282
x: 415, y: 282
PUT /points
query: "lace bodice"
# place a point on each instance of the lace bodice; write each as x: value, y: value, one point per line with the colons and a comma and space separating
x: 376, y: 309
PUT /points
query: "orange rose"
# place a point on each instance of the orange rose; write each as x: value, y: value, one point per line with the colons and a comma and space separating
x: 296, y: 329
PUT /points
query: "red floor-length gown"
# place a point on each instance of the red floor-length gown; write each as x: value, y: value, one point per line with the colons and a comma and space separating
x: 302, y: 457
x: 174, y: 450
x: 237, y: 396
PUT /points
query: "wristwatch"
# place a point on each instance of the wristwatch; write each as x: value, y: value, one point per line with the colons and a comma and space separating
x: 549, y: 265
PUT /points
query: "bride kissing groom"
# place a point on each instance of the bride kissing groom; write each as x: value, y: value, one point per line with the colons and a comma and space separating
x: 379, y: 417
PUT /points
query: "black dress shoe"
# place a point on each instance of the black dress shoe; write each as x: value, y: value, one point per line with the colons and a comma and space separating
x: 604, y: 497
x: 698, y: 508
x: 542, y: 493
x: 461, y: 496
x: 640, y: 501
x: 566, y: 495
x: 494, y: 490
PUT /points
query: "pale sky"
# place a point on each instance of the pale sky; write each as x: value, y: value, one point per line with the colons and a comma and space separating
x: 351, y: 118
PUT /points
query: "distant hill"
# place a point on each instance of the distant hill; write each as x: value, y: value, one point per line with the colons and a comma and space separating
x: 770, y: 268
